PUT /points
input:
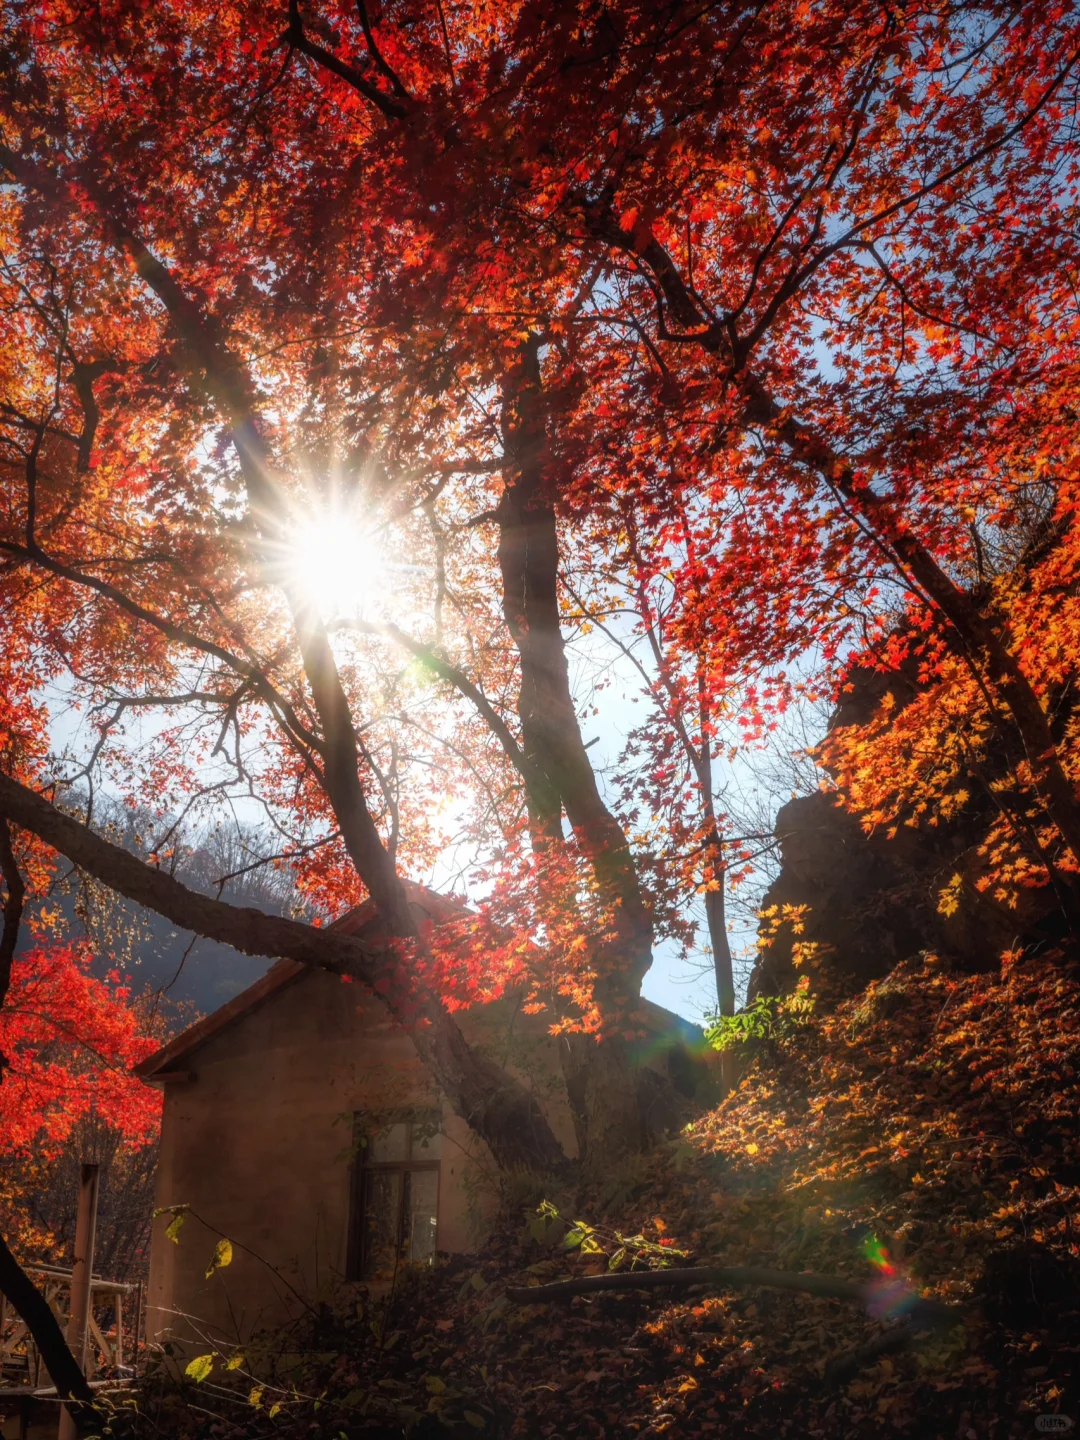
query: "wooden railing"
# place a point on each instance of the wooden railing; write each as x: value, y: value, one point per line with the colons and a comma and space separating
x: 109, y: 1346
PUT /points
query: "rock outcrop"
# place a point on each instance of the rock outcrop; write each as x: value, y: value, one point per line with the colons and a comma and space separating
x: 871, y: 901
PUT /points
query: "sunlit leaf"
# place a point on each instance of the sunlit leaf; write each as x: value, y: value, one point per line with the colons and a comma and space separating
x: 199, y: 1368
x: 222, y: 1256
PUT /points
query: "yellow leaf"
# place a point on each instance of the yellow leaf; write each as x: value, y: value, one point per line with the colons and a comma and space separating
x: 949, y: 899
x: 199, y: 1368
x: 172, y: 1230
x: 222, y: 1256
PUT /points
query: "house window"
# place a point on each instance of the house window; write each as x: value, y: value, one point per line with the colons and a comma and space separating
x: 395, y: 1195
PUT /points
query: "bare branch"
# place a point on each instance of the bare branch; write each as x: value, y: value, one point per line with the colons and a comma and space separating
x: 245, y: 929
x: 725, y: 1276
x: 179, y: 634
x: 434, y: 662
x: 298, y: 39
x: 376, y: 53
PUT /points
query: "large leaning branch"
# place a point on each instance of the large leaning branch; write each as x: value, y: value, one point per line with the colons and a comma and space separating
x: 497, y: 1106
x: 733, y: 1276
x: 32, y: 1307
x: 245, y: 929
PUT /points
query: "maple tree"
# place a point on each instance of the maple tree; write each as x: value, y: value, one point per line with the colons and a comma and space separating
x: 793, y: 281
x: 70, y: 1040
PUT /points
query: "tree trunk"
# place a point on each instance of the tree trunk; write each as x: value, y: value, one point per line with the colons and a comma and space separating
x: 721, y: 950
x: 725, y: 976
x: 600, y: 1076
x: 715, y: 870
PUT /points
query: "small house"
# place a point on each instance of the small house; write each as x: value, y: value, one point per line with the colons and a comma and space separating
x: 300, y: 1124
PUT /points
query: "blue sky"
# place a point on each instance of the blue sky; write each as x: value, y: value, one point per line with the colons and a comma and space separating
x: 683, y: 984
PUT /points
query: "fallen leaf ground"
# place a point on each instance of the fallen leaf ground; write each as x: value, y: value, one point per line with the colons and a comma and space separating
x: 926, y: 1132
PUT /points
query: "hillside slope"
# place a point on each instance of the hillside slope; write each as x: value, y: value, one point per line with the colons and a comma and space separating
x: 925, y: 1132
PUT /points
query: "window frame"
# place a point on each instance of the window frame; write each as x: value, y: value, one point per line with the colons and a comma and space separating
x: 361, y: 1167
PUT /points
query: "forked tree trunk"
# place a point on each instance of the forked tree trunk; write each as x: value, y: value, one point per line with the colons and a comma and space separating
x: 601, y: 1077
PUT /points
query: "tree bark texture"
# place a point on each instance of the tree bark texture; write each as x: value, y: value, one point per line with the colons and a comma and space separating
x: 529, y: 563
x: 600, y: 1077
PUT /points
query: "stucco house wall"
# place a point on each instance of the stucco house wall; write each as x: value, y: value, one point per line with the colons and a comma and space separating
x: 257, y: 1141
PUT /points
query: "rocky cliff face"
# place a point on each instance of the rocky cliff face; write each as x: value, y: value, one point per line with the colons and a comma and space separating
x: 857, y: 908
x: 872, y: 901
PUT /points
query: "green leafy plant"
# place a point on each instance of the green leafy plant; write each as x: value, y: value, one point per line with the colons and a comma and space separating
x: 767, y: 1020
x: 548, y: 1227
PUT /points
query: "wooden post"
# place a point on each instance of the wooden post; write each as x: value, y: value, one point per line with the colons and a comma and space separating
x: 136, y: 1330
x: 81, y: 1288
x: 119, y: 1356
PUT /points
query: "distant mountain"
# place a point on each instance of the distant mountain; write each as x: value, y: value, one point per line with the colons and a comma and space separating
x: 191, y: 974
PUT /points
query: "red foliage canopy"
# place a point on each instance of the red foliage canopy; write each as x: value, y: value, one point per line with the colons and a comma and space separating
x: 765, y: 316
x: 70, y: 1041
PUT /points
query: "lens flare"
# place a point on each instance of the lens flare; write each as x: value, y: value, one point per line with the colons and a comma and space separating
x: 889, y: 1294
x: 338, y: 564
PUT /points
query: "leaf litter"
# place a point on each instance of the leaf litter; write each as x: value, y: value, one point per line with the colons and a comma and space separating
x: 924, y: 1133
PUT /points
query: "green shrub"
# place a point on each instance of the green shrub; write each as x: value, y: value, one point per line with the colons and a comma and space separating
x: 767, y: 1020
